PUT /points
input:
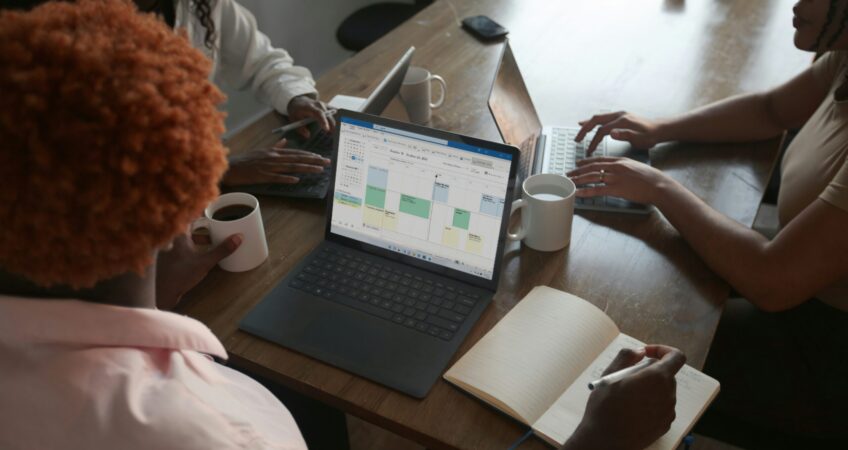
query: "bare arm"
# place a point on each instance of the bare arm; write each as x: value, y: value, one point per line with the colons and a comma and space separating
x: 748, y: 117
x: 808, y: 255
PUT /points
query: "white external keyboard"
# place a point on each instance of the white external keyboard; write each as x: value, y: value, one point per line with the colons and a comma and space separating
x: 564, y: 152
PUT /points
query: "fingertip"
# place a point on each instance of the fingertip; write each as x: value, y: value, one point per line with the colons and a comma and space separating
x: 236, y: 241
x: 669, y: 357
x: 659, y: 350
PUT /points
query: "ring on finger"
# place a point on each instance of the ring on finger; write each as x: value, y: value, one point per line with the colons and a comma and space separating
x: 603, y: 172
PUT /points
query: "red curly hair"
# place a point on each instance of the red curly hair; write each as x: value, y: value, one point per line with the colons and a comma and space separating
x: 109, y: 140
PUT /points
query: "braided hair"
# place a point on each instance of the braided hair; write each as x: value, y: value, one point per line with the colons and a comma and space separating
x: 203, y: 10
x: 841, y: 24
x: 830, y: 12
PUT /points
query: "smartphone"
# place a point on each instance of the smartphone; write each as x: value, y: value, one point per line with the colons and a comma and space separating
x: 484, y: 28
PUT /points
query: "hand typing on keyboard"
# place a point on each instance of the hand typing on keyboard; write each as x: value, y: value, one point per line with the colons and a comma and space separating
x: 277, y: 164
x: 619, y: 177
x: 640, y: 133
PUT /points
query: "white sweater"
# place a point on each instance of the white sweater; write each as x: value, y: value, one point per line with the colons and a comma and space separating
x: 243, y: 55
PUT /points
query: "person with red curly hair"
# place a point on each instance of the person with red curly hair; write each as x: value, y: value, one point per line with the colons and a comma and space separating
x: 243, y: 57
x: 111, y: 147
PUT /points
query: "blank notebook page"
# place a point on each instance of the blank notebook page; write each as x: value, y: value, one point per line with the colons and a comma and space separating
x: 535, y: 352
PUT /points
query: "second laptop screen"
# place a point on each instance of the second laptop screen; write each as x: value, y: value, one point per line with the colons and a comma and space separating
x: 436, y: 200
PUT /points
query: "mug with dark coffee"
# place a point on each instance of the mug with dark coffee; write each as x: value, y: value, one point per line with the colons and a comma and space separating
x: 236, y: 213
x: 232, y: 212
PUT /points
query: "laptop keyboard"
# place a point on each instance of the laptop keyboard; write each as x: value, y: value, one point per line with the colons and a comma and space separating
x: 321, y: 143
x: 311, y: 183
x: 434, y: 308
x: 565, y: 153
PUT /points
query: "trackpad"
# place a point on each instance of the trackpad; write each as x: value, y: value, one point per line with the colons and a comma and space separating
x: 343, y: 339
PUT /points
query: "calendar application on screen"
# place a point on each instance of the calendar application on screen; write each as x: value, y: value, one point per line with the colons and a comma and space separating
x: 435, y: 200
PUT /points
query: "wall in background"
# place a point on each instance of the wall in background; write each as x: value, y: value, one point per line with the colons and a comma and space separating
x: 307, y: 30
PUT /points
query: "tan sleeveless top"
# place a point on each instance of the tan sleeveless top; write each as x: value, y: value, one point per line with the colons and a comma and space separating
x: 815, y: 164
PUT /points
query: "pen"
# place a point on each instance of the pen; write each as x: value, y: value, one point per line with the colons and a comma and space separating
x: 295, y: 125
x: 616, y: 376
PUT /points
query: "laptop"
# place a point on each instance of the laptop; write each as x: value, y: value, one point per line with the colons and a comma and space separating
x: 316, y: 185
x: 415, y: 231
x: 548, y: 149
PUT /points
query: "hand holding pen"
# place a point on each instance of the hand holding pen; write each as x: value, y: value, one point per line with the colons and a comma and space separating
x: 637, y: 408
x: 304, y: 110
x: 613, y: 377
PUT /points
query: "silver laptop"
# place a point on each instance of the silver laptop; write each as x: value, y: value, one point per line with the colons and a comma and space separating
x: 317, y: 185
x: 548, y: 149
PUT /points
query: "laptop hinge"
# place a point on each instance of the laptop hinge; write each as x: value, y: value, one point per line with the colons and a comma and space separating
x: 539, y: 154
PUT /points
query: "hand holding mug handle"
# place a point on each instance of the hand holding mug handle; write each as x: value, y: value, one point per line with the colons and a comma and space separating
x: 444, y: 91
x: 522, y: 230
x: 200, y: 222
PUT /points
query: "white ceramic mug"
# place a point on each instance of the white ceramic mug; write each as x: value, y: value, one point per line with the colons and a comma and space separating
x: 548, y: 202
x: 416, y: 94
x: 253, y: 250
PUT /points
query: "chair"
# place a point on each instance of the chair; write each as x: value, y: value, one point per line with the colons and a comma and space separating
x: 372, y: 22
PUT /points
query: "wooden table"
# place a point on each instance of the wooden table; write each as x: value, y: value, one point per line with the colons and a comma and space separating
x: 651, y: 57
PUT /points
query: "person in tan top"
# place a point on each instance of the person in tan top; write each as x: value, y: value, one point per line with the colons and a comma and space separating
x: 782, y: 356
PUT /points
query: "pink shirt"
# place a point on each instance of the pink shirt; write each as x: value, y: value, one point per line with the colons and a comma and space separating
x: 79, y: 375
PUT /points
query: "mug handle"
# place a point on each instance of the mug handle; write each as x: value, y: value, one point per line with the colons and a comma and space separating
x: 201, y: 222
x: 522, y: 231
x: 444, y: 90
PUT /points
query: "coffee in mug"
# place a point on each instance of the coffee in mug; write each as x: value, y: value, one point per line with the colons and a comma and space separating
x: 232, y: 212
x: 236, y: 213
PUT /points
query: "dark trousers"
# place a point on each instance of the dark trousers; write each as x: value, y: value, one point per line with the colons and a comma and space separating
x: 784, y: 377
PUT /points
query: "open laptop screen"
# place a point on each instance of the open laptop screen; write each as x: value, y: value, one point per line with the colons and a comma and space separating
x: 436, y: 200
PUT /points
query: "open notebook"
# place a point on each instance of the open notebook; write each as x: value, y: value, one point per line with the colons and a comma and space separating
x: 536, y: 364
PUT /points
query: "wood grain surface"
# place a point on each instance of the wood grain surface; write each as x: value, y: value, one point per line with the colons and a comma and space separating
x: 654, y: 58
